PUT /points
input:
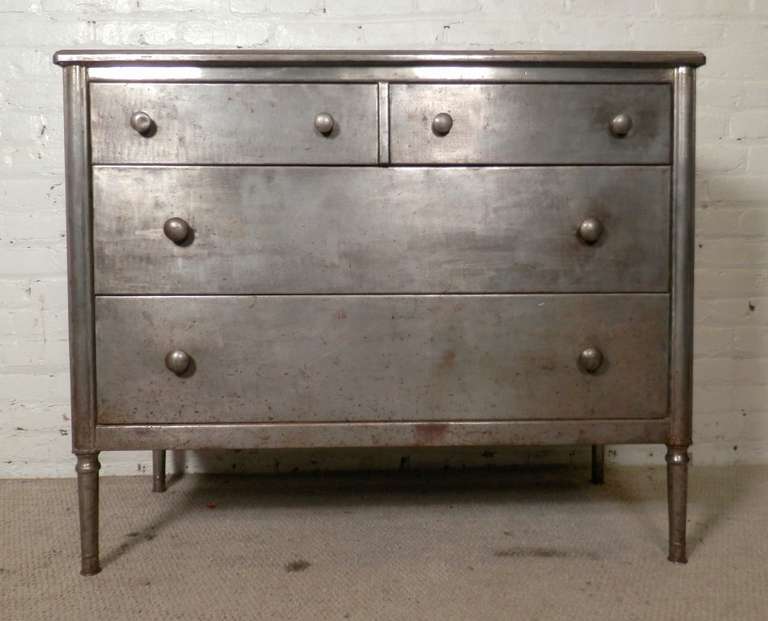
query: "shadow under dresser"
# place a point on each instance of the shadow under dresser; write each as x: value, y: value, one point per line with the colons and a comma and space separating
x: 276, y: 249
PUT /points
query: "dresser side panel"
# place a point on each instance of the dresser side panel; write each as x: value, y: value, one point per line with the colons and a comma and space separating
x: 683, y: 242
x: 79, y: 257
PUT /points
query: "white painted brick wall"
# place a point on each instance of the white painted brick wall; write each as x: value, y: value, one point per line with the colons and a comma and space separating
x: 731, y: 371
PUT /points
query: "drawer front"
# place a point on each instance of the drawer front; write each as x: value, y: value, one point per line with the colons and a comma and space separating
x: 530, y: 123
x: 235, y: 123
x: 380, y: 358
x: 380, y: 230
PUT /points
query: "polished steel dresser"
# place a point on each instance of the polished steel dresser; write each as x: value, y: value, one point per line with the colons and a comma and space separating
x: 367, y: 249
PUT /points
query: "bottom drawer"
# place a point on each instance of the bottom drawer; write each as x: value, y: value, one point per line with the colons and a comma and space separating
x: 380, y: 358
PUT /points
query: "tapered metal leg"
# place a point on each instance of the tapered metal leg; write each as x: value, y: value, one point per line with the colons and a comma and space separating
x: 88, y: 499
x: 158, y: 470
x: 598, y: 464
x: 677, y: 491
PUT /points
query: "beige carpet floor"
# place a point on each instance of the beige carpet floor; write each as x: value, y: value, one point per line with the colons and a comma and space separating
x: 539, y: 544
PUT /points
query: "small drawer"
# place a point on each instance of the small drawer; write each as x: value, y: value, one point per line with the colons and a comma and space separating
x: 322, y: 229
x: 234, y: 123
x: 381, y: 358
x: 530, y: 123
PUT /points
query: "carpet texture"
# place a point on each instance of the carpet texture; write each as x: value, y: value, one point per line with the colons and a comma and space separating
x: 535, y: 544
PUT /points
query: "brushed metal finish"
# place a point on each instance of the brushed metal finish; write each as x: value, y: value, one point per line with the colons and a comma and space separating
x: 158, y: 471
x: 194, y: 123
x: 591, y: 359
x: 598, y: 258
x: 442, y: 124
x: 383, y: 123
x: 530, y: 123
x: 590, y: 230
x: 79, y: 259
x: 683, y: 231
x: 381, y: 358
x: 142, y: 123
x: 88, y: 505
x: 324, y: 123
x: 159, y: 72
x: 177, y: 230
x: 372, y: 434
x: 178, y: 361
x: 681, y: 320
x: 386, y: 57
x: 373, y: 230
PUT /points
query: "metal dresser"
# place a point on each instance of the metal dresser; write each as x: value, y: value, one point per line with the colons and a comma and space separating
x: 367, y: 249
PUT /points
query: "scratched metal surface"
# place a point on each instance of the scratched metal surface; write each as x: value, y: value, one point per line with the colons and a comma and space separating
x: 235, y: 123
x: 381, y: 358
x: 380, y: 230
x: 411, y: 72
x: 530, y: 123
x: 366, y: 435
x: 385, y: 370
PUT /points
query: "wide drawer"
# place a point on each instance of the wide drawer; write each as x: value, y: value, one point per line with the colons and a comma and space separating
x: 380, y: 358
x: 380, y: 230
x: 235, y: 123
x: 530, y: 123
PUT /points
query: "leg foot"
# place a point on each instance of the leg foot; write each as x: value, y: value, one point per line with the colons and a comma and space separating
x: 598, y: 464
x: 158, y: 470
x: 677, y: 492
x: 88, y: 499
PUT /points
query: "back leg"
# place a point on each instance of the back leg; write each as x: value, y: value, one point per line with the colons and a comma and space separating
x: 158, y: 470
x: 598, y: 464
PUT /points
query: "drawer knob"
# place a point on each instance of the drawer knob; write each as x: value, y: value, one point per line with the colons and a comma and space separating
x: 590, y: 230
x: 177, y: 230
x: 324, y: 123
x: 142, y: 123
x: 442, y: 124
x: 178, y: 361
x: 620, y: 125
x: 591, y: 359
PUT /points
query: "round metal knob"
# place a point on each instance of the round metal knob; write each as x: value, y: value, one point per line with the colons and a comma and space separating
x: 591, y: 359
x: 590, y: 230
x: 442, y: 124
x: 324, y: 123
x: 142, y: 123
x: 621, y: 124
x: 178, y: 361
x: 177, y: 230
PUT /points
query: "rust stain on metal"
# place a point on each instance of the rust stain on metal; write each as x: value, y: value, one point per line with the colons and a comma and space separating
x: 548, y: 365
x: 430, y: 433
x: 341, y: 314
x: 448, y: 360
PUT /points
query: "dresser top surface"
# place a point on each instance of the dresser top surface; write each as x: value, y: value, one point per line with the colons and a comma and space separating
x: 231, y: 57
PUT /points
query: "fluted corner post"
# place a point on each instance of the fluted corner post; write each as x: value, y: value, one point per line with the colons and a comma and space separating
x: 598, y: 464
x: 677, y: 491
x: 158, y: 470
x: 88, y: 496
